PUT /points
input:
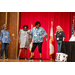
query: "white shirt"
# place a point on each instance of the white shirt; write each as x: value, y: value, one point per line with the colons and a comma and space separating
x: 72, y: 38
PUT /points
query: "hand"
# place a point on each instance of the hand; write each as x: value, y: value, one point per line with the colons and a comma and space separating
x: 28, y: 32
x: 30, y: 39
x: 9, y: 42
x: 55, y: 33
x: 19, y: 42
x: 46, y: 39
x: 0, y: 42
x: 63, y: 38
x: 30, y: 42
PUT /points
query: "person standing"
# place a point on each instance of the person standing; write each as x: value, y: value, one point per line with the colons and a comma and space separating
x: 5, y: 40
x: 24, y: 40
x: 60, y: 36
x: 37, y: 35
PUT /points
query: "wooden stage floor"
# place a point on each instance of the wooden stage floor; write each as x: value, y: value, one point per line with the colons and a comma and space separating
x: 22, y: 60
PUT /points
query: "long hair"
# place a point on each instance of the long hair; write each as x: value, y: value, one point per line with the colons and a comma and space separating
x: 60, y: 28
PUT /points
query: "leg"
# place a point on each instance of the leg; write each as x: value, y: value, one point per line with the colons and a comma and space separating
x: 25, y: 52
x: 58, y: 46
x: 33, y: 48
x: 6, y: 49
x: 20, y: 51
x: 40, y: 50
x: 2, y: 49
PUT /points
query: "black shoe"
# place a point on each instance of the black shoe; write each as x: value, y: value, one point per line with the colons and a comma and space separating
x: 18, y: 58
x: 25, y: 58
x: 30, y: 59
x: 1, y: 58
x: 41, y: 59
x: 6, y: 58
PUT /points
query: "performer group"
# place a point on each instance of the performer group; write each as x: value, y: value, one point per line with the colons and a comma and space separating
x: 36, y: 35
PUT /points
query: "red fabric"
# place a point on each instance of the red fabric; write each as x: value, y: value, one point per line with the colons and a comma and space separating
x: 64, y: 19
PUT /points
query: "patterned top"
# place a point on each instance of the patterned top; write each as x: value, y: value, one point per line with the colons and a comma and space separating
x: 5, y: 36
x: 38, y: 34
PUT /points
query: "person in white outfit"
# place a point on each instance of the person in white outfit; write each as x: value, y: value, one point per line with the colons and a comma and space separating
x: 24, y: 40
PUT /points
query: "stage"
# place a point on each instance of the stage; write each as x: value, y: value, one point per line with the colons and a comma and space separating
x: 63, y: 19
x: 22, y: 60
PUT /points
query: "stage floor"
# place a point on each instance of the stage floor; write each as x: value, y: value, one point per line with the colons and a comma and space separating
x: 22, y: 60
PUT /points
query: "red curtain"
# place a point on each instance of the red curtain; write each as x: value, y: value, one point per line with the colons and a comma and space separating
x: 64, y: 19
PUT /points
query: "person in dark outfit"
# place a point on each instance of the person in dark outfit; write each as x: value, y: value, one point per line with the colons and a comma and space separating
x: 60, y: 36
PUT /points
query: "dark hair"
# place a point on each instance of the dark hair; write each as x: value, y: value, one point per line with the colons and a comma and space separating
x: 37, y: 23
x: 25, y: 26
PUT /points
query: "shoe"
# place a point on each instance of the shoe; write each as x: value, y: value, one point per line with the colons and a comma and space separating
x: 30, y: 59
x: 1, y: 58
x: 18, y: 58
x: 41, y: 59
x: 25, y: 58
x: 6, y: 58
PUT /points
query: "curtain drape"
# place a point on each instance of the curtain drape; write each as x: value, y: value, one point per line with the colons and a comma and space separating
x: 64, y: 19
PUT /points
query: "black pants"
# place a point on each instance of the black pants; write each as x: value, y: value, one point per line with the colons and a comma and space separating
x: 39, y: 46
